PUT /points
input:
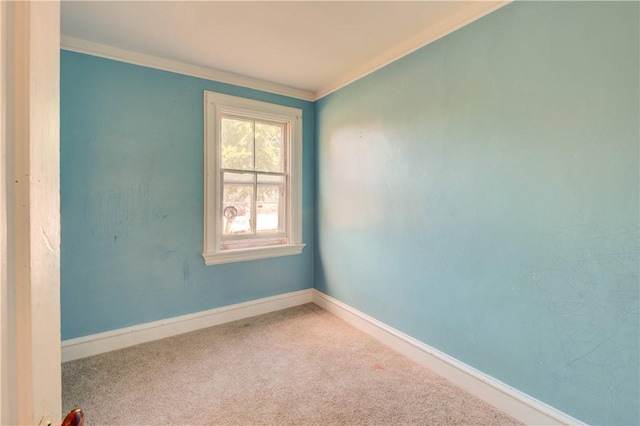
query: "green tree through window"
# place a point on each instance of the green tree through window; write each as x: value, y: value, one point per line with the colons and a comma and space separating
x: 253, y: 176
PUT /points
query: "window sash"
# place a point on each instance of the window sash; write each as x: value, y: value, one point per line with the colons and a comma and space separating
x: 265, y: 238
x: 254, y: 233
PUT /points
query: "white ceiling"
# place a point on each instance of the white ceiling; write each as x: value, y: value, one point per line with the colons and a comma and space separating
x: 313, y: 47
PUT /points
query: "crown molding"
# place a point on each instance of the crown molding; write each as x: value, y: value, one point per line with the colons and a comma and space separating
x: 475, y: 11
x: 104, y: 51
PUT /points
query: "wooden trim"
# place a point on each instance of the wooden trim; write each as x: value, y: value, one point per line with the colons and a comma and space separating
x: 5, y: 401
x: 473, y: 12
x: 502, y: 396
x: 243, y: 255
x: 95, y: 344
x: 31, y: 388
x: 102, y: 50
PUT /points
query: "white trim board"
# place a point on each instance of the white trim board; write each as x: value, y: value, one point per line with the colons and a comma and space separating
x: 73, y: 44
x: 473, y: 12
x: 513, y: 402
x: 95, y: 344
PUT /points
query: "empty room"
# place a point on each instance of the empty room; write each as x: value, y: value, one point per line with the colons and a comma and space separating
x: 321, y: 212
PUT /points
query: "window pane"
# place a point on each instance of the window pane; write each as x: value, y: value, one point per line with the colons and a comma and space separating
x: 236, y: 209
x: 269, y: 147
x: 237, y: 143
x: 270, y: 208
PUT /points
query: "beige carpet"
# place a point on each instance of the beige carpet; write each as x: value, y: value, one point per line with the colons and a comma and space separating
x: 297, y: 366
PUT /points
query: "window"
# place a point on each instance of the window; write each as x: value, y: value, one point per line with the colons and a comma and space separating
x: 253, y: 180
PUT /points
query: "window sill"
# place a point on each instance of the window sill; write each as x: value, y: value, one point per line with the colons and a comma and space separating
x: 231, y: 256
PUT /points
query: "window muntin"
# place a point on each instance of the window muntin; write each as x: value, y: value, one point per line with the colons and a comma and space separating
x: 253, y: 179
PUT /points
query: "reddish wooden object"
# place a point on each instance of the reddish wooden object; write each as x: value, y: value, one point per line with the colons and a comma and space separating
x: 74, y: 418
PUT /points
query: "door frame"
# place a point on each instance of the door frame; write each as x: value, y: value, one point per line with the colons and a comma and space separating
x: 30, y: 212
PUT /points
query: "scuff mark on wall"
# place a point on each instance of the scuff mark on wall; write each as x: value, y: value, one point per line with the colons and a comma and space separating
x: 166, y: 253
x: 122, y: 209
x: 186, y: 274
x: 588, y: 284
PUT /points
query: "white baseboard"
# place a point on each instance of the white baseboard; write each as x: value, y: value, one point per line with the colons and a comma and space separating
x: 507, y: 399
x: 513, y: 402
x: 95, y: 344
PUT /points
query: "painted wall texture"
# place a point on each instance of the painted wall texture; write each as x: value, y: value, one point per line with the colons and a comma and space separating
x: 481, y: 195
x: 132, y: 200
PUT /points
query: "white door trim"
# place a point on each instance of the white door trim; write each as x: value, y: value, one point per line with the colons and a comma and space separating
x: 30, y: 218
x: 4, y: 394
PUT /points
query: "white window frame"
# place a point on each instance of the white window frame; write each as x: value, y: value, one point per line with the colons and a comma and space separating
x: 215, y: 105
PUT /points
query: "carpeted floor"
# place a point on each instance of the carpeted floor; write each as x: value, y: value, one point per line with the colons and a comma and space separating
x: 297, y: 366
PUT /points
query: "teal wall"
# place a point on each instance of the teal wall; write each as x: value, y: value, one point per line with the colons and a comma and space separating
x: 132, y: 200
x: 481, y: 195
